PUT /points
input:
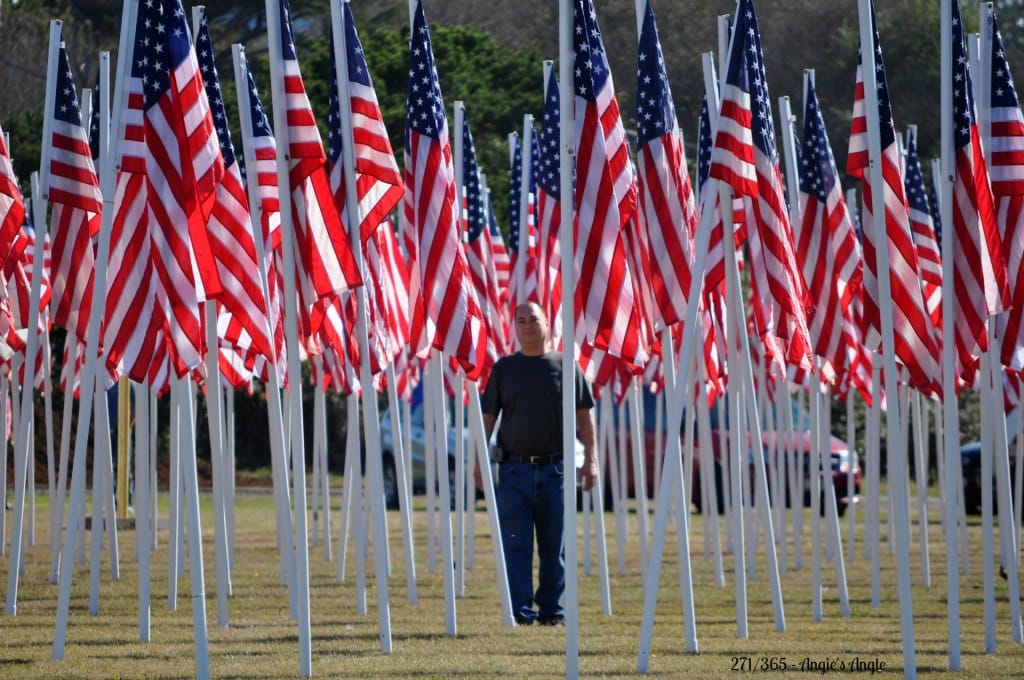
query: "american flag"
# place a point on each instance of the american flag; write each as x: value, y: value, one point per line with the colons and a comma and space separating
x: 499, y: 253
x: 979, y: 271
x: 549, y: 211
x: 325, y: 260
x: 259, y: 137
x: 167, y: 120
x: 912, y: 328
x: 928, y: 254
x: 12, y: 205
x: 1006, y: 168
x: 453, y: 320
x: 20, y: 274
x: 378, y: 182
x: 745, y: 157
x: 479, y: 253
x: 391, y: 292
x: 528, y: 265
x: 183, y: 169
x: 605, y: 199
x: 667, y: 210
x: 230, y: 227
x: 714, y: 265
x: 503, y: 271
x: 74, y: 193
x: 826, y: 241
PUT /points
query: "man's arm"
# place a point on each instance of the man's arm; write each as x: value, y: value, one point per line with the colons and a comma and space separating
x: 489, y: 421
x: 585, y: 430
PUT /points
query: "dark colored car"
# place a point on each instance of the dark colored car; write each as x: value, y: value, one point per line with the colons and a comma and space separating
x: 970, y: 463
x: 841, y: 458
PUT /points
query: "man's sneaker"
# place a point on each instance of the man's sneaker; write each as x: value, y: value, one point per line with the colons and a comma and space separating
x: 551, y: 620
x: 525, y: 620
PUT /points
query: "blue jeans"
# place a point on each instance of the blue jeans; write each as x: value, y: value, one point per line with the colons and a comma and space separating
x: 530, y: 498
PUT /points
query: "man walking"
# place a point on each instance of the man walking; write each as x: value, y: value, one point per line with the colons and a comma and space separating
x: 525, y: 388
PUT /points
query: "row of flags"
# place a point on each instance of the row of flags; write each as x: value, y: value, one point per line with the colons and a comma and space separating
x: 196, y: 221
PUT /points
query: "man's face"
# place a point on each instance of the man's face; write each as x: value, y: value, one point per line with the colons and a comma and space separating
x: 531, y: 326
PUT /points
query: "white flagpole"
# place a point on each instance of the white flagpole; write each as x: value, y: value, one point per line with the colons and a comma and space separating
x: 567, y: 156
x: 295, y: 445
x: 62, y: 467
x: 398, y: 428
x: 275, y: 419
x: 526, y: 153
x: 872, y: 518
x: 40, y: 187
x: 459, y: 110
x: 994, y: 380
x: 371, y: 418
x: 108, y: 155
x: 921, y: 481
x: 437, y: 394
x: 476, y: 425
x: 142, y: 499
x: 951, y: 425
x: 215, y: 421
x: 21, y: 439
x: 851, y: 440
x: 676, y: 398
x: 639, y: 474
x: 174, y: 503
x: 897, y: 482
x: 50, y: 458
x: 195, y: 546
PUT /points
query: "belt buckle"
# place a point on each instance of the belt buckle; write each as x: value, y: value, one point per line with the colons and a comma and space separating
x: 537, y: 460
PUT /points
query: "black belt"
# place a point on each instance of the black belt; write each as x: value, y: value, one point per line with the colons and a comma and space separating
x: 547, y: 459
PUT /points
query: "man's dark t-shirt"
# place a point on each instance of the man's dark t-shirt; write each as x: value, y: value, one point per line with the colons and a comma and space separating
x: 527, y: 392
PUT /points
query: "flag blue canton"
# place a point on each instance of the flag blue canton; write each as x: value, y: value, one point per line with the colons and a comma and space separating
x: 917, y: 197
x: 333, y: 113
x: 817, y: 169
x: 425, y: 106
x: 515, y: 184
x: 204, y: 54
x: 476, y: 208
x: 704, y: 144
x: 746, y: 72
x: 287, y: 40
x: 885, y: 123
x: 94, y: 121
x: 161, y: 43
x: 655, y: 113
x: 492, y: 221
x: 260, y: 122
x: 591, y: 64
x: 66, y: 104
x: 963, y: 95
x: 1003, y: 92
x: 358, y: 73
x: 933, y: 201
x: 548, y: 174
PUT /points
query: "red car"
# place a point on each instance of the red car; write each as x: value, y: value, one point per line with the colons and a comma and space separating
x: 840, y: 454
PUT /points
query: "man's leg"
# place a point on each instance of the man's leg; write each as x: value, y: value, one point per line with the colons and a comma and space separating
x: 548, y: 516
x: 515, y: 513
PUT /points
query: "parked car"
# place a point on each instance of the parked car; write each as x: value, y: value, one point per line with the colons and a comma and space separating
x: 840, y: 454
x: 970, y: 463
x: 419, y: 469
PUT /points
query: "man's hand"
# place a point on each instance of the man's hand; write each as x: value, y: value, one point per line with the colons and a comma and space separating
x: 478, y: 477
x: 588, y: 473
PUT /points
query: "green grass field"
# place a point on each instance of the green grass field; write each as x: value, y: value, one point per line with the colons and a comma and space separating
x: 261, y: 640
